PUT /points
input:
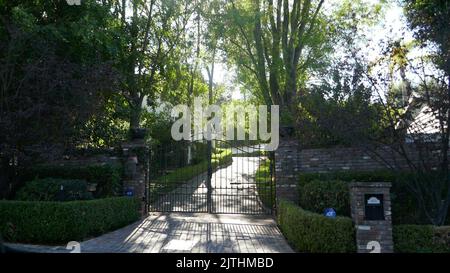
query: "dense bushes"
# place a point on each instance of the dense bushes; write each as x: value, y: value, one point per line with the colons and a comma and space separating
x: 51, y: 189
x: 319, y: 195
x: 107, y: 177
x: 421, y: 238
x: 61, y: 222
x: 315, y: 195
x: 310, y: 232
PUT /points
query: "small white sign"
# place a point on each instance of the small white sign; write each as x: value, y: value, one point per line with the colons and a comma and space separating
x: 373, y: 201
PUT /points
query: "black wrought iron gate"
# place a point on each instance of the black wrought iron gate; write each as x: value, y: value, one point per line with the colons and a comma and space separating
x: 229, y: 177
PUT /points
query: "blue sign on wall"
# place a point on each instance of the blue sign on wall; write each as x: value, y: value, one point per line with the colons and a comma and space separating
x: 329, y: 212
x: 129, y: 192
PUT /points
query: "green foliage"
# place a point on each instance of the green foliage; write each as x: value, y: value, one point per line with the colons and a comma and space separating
x: 265, y: 184
x: 430, y: 19
x: 61, y: 222
x: 107, y: 177
x: 421, y: 239
x: 339, y: 110
x: 259, y: 42
x: 159, y: 125
x: 318, y: 195
x: 314, y: 233
x: 68, y: 62
x: 49, y: 189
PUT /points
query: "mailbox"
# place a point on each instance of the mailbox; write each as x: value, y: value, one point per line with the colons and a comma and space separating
x: 373, y: 207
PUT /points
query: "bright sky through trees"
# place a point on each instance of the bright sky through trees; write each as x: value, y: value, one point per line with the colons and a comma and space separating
x: 392, y: 26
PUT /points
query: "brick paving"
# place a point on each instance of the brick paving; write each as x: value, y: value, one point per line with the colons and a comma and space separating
x: 186, y: 233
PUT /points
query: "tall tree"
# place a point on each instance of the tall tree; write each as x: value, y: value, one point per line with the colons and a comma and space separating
x: 430, y: 21
x: 55, y: 76
x: 154, y: 32
x: 274, y: 35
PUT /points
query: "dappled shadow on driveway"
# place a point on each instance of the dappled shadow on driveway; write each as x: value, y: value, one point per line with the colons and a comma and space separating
x: 196, y: 233
x: 187, y: 233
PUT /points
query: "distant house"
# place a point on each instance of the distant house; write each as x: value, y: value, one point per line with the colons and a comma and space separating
x: 423, y: 123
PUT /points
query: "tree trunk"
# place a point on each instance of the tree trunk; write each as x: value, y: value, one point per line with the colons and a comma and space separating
x: 135, y: 118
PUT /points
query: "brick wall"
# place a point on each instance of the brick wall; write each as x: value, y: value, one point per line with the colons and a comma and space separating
x: 287, y: 169
x: 354, y: 158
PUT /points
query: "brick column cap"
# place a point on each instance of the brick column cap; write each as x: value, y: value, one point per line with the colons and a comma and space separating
x: 370, y: 184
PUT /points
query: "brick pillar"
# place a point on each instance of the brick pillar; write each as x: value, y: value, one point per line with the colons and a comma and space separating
x: 136, y: 169
x: 287, y: 167
x: 371, y: 213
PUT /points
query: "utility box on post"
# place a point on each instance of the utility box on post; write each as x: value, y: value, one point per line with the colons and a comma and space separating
x: 371, y: 213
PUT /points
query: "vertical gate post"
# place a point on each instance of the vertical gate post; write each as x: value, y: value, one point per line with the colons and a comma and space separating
x: 287, y: 166
x: 136, y: 168
x: 208, y: 178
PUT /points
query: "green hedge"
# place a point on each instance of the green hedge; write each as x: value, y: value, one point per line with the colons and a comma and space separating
x: 421, y: 239
x: 265, y: 184
x: 314, y: 233
x: 318, y: 195
x: 49, y: 189
x: 107, y: 177
x: 315, y: 195
x: 61, y: 222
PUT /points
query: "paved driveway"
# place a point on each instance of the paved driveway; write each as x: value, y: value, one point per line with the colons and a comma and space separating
x: 233, y: 191
x: 191, y: 233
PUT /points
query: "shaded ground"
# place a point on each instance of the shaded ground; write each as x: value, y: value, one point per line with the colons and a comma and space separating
x: 186, y: 232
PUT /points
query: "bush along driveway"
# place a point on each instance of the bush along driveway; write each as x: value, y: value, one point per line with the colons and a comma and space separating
x: 39, y: 222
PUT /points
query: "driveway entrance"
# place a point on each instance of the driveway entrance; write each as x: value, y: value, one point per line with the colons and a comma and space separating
x: 223, y: 179
x: 187, y: 233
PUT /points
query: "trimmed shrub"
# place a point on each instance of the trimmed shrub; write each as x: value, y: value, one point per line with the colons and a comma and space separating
x: 421, y: 238
x: 311, y: 232
x: 265, y: 184
x: 49, y: 189
x: 61, y: 222
x: 107, y: 177
x: 318, y: 195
